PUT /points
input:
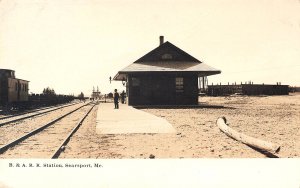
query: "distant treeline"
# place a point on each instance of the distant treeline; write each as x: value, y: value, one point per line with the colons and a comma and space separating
x: 49, y: 97
x: 46, y: 99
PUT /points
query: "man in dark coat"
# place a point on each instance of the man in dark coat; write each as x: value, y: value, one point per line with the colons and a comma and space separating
x: 116, y: 99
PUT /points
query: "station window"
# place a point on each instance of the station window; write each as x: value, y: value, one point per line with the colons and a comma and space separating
x: 179, y: 84
x: 166, y: 57
x: 16, y: 86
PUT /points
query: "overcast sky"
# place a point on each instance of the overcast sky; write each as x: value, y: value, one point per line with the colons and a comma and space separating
x: 72, y: 46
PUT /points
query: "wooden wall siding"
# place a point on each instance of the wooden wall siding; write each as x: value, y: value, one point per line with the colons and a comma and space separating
x: 19, y: 93
x: 190, y: 96
x: 247, y: 89
x: 3, y: 91
x: 160, y: 90
x: 23, y: 90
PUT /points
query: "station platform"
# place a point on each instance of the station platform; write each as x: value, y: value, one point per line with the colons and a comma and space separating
x: 127, y: 120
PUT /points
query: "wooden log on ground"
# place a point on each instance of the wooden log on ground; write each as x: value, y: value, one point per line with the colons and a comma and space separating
x: 248, y: 140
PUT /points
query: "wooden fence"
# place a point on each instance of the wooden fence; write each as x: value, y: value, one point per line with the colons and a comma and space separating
x: 247, y: 89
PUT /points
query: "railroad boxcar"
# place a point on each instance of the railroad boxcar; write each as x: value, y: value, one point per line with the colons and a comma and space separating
x: 12, y: 90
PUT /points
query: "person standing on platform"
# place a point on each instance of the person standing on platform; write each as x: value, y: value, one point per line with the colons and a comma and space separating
x: 123, y: 96
x: 116, y: 99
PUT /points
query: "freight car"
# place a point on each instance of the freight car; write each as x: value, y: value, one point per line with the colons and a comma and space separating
x: 13, y: 91
x: 14, y: 94
x: 39, y: 100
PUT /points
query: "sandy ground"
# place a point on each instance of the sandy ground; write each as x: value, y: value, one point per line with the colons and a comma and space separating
x: 272, y: 118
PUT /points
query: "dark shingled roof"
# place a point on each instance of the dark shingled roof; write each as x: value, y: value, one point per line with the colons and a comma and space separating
x: 167, y: 58
x: 167, y: 48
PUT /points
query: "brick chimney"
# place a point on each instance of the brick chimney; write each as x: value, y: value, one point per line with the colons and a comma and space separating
x: 161, y: 40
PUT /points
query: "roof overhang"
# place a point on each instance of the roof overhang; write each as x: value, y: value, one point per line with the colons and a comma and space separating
x: 121, y: 75
x: 167, y: 67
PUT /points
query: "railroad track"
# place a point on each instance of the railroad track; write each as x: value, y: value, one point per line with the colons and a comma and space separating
x: 32, y: 111
x: 15, y: 118
x: 49, y: 139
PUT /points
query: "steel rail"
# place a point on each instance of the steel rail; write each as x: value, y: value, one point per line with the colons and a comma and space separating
x: 66, y: 141
x: 32, y: 111
x: 24, y: 137
x: 26, y: 117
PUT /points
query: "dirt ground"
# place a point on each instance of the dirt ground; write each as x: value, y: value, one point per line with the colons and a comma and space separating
x: 271, y: 118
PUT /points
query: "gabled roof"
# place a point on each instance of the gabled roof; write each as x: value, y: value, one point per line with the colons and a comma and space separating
x: 167, y: 48
x: 167, y: 58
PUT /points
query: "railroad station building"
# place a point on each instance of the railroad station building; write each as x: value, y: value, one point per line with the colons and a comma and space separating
x: 165, y: 76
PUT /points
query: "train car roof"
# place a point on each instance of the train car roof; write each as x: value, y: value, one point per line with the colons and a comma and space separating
x: 20, y: 79
x: 6, y: 70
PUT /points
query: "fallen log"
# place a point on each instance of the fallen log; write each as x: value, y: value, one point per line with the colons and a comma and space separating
x: 248, y: 140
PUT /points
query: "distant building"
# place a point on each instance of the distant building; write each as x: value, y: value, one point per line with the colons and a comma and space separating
x: 165, y: 76
x: 96, y: 94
